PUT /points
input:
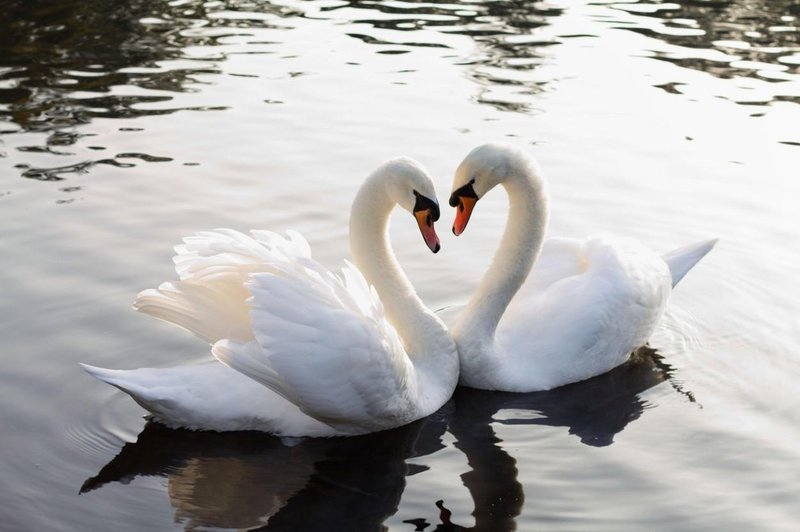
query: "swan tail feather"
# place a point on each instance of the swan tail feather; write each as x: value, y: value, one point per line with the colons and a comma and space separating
x: 133, y: 383
x: 683, y: 259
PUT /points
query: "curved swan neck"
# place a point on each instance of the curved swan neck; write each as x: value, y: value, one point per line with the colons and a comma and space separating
x: 514, y: 258
x: 372, y: 254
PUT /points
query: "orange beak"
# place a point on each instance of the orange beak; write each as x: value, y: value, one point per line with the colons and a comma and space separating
x: 425, y: 223
x: 463, y: 212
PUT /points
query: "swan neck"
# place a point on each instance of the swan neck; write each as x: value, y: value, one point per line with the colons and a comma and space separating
x: 519, y: 247
x: 372, y: 254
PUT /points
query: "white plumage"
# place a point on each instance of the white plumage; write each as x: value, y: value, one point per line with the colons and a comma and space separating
x: 304, y: 351
x: 551, y: 313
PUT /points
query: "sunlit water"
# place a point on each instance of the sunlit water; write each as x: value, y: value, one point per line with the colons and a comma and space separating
x: 126, y: 128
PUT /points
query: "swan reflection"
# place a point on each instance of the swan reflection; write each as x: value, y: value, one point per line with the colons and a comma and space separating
x: 250, y: 479
x: 594, y: 410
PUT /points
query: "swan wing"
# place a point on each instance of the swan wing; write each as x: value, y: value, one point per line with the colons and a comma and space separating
x: 210, y: 298
x: 322, y: 341
x: 560, y: 258
x: 318, y: 341
x: 586, y: 322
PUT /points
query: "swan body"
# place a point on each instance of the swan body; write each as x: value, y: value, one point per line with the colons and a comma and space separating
x: 549, y: 313
x: 301, y: 351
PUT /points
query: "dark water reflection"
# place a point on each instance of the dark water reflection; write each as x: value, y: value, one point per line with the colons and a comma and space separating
x: 594, y: 410
x: 247, y: 479
x: 62, y: 59
x: 64, y: 64
x: 243, y: 480
x: 751, y: 36
x: 729, y: 39
x: 502, y: 29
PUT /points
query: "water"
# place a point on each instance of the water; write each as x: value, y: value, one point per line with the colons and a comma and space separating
x: 123, y: 129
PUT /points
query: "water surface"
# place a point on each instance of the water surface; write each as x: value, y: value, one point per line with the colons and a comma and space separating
x: 124, y: 128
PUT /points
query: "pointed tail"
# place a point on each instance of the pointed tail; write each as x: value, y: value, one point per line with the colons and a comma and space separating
x: 133, y: 382
x: 681, y: 260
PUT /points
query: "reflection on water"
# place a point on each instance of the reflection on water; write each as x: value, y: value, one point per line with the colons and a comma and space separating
x: 247, y: 479
x: 65, y: 64
x: 757, y: 39
x: 241, y: 480
x: 594, y: 410
x: 731, y: 39
x: 62, y: 60
x: 505, y: 31
x: 510, y: 34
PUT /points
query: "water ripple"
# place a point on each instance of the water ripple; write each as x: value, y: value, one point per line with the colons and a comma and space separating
x: 729, y: 40
x: 57, y: 173
x: 102, y: 434
x: 52, y: 52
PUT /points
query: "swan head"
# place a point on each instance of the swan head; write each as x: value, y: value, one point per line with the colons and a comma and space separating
x: 482, y: 169
x: 410, y: 186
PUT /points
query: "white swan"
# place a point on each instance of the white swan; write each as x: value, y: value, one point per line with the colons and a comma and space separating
x: 586, y: 305
x: 305, y: 352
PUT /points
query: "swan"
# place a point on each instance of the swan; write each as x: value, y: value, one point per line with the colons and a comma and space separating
x: 303, y: 351
x: 586, y: 305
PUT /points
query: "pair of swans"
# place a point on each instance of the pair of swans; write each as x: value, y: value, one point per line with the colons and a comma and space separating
x: 306, y: 352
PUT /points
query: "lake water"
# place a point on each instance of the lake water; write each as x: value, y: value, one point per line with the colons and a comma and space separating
x: 125, y: 127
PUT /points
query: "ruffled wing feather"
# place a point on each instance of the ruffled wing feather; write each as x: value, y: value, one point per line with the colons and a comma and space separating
x: 277, y: 316
x: 210, y: 298
x: 322, y: 341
